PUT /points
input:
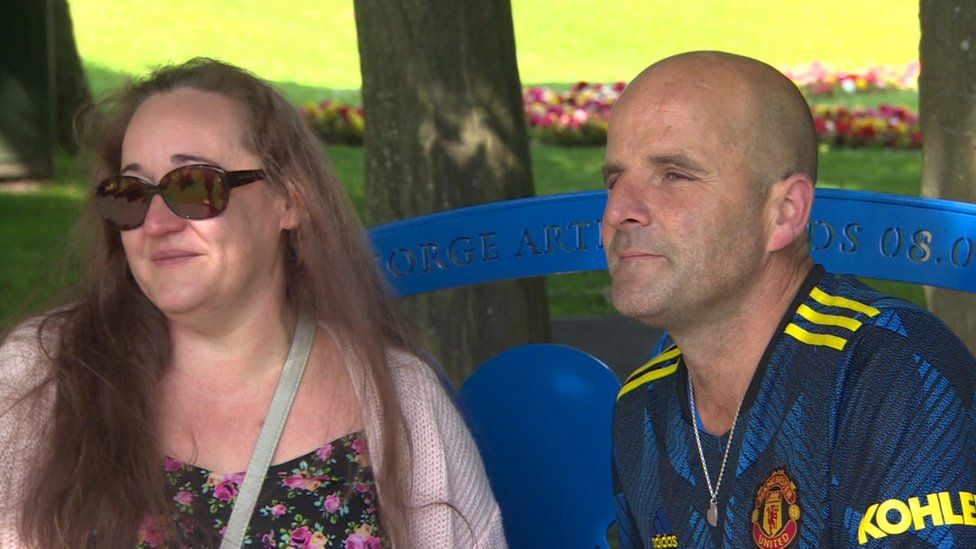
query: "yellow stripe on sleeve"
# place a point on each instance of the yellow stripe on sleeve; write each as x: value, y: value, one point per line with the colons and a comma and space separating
x: 824, y: 340
x: 828, y: 320
x: 647, y: 378
x: 837, y: 301
x: 663, y: 357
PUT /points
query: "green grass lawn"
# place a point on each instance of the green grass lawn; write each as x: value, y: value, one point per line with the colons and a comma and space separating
x: 309, y: 46
x: 34, y: 228
x: 908, y: 98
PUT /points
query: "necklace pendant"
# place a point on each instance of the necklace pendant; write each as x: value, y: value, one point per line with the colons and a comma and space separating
x: 712, y: 514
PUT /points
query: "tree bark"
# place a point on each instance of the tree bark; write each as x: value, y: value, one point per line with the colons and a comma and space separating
x: 71, y: 87
x: 947, y: 104
x: 445, y: 129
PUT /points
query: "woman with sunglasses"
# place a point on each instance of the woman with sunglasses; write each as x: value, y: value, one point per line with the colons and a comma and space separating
x: 231, y: 369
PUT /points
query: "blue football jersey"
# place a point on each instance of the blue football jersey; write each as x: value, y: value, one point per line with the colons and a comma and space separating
x: 858, y: 429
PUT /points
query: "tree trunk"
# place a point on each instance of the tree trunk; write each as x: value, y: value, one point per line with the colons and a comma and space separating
x: 70, y: 84
x: 445, y: 129
x: 27, y: 131
x: 947, y: 102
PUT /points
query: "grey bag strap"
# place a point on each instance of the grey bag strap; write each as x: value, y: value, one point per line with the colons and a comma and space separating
x: 274, y: 423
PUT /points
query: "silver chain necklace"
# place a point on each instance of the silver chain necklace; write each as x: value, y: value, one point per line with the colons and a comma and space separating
x: 712, y: 514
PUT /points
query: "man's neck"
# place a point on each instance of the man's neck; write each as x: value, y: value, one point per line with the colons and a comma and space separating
x: 722, y: 353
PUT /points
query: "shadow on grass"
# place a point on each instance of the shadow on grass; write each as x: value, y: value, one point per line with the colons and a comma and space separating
x: 898, y: 172
x: 102, y: 79
x: 908, y: 98
x: 35, y: 228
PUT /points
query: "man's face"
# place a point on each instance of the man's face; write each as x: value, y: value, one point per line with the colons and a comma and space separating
x: 683, y: 228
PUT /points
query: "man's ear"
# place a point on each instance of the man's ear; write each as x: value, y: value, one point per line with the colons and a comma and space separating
x: 788, y: 208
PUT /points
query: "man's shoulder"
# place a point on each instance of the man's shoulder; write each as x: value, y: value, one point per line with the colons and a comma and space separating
x: 897, y: 350
x: 873, y: 344
x: 873, y: 305
x: 847, y: 296
x: 904, y: 429
x: 847, y: 315
x: 894, y: 326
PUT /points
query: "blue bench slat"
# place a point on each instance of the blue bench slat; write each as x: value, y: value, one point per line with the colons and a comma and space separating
x: 496, y: 241
x: 893, y: 237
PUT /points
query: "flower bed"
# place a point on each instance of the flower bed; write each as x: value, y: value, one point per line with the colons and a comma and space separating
x: 334, y: 122
x: 579, y: 116
x: 886, y: 127
x: 819, y: 79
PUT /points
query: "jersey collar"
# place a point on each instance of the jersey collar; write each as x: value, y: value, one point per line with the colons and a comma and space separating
x: 813, y: 278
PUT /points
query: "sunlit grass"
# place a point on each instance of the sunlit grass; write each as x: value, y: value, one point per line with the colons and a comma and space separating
x: 309, y: 47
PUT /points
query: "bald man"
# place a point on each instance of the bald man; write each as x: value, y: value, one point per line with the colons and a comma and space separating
x: 798, y: 408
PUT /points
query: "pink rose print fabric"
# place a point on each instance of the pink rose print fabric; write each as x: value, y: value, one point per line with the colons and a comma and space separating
x: 326, y: 498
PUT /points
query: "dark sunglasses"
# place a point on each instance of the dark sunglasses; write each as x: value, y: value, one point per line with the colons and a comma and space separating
x: 197, y: 191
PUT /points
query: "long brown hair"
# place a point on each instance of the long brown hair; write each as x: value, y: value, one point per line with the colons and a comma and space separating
x: 100, y: 472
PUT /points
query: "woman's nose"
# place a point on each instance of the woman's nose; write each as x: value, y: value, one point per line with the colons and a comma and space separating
x: 160, y: 219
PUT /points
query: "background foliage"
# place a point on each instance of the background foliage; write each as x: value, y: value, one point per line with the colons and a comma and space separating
x: 309, y: 49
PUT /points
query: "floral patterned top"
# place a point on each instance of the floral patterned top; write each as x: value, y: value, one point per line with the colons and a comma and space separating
x: 326, y: 498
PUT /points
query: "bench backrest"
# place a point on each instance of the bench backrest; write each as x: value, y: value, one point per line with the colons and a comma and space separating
x: 902, y: 238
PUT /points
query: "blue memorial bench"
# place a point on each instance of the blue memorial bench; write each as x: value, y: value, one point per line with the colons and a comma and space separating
x: 541, y: 413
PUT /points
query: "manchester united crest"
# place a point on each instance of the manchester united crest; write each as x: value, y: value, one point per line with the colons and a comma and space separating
x: 776, y: 516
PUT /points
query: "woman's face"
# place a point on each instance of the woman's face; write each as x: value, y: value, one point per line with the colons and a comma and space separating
x: 230, y: 263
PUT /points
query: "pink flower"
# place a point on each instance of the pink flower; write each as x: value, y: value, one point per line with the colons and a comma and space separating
x: 332, y: 503
x: 225, y: 491
x: 300, y: 537
x: 296, y: 480
x: 171, y: 465
x: 355, y: 541
x: 236, y: 478
x: 360, y: 446
x: 278, y: 510
x: 149, y: 532
x: 183, y: 497
x: 362, y: 451
x: 325, y: 452
x: 374, y: 543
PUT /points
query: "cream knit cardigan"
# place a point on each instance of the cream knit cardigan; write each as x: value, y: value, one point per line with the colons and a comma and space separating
x: 450, y: 499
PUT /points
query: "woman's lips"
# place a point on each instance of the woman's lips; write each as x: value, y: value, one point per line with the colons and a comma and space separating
x: 172, y: 257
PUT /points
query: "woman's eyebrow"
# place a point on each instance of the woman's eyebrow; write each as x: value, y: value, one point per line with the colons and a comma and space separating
x: 181, y: 158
